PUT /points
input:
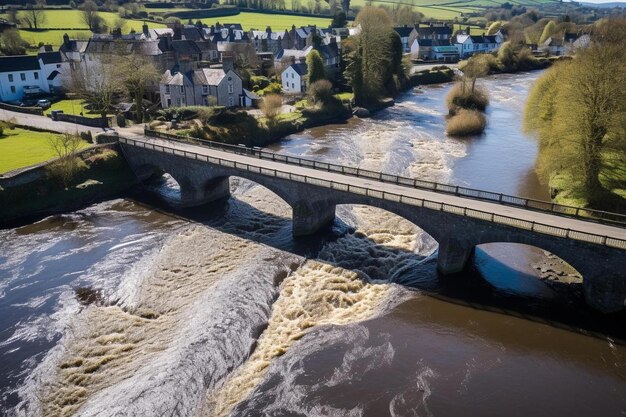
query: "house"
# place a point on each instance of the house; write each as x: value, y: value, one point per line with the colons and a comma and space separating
x: 444, y: 53
x: 201, y: 87
x: 554, y: 46
x: 420, y: 48
x: 268, y: 41
x: 404, y: 32
x: 468, y: 45
x: 573, y: 42
x: 53, y: 69
x: 21, y: 76
x: 329, y: 53
x: 440, y: 34
x: 294, y: 79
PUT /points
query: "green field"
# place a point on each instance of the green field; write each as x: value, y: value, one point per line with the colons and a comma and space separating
x: 56, y: 19
x: 260, y: 21
x: 20, y: 148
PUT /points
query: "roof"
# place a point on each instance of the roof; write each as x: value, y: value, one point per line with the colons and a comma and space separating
x: 434, y: 30
x: 50, y: 57
x: 109, y: 45
x: 250, y: 94
x: 172, y: 78
x: 185, y: 47
x: 19, y: 63
x: 300, y: 68
x: 295, y: 53
x: 483, y: 39
x: 404, y: 31
x: 209, y: 76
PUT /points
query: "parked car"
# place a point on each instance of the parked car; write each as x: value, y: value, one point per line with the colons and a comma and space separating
x: 44, y: 104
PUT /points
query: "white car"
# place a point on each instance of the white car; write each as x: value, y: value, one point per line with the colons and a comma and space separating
x: 44, y: 104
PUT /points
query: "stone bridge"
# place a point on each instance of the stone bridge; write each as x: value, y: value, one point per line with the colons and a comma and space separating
x: 597, y: 251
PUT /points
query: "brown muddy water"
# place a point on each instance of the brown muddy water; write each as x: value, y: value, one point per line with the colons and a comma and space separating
x: 218, y: 311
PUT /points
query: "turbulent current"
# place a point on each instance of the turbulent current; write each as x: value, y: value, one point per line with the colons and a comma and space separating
x: 220, y: 312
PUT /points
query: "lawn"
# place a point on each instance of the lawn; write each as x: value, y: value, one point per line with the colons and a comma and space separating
x: 20, y: 148
x: 52, y: 37
x: 75, y: 106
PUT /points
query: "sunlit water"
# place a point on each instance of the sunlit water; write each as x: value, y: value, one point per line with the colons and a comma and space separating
x: 226, y: 314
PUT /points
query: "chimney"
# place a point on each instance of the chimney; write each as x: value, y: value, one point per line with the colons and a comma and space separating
x: 117, y: 32
x: 178, y: 33
x: 145, y: 29
x: 228, y: 61
x: 268, y: 29
x: 231, y: 32
x: 66, y: 39
x: 468, y: 30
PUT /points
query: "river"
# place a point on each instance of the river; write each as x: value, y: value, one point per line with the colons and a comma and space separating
x: 218, y: 311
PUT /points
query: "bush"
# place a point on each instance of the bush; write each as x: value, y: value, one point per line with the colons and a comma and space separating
x: 321, y: 92
x: 273, y: 88
x: 461, y: 96
x: 271, y: 105
x: 466, y: 123
x: 526, y: 60
x: 434, y: 76
x: 259, y: 83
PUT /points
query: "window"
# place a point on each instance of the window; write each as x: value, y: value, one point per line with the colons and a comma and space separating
x: 230, y: 88
x: 10, y: 78
x: 36, y: 74
x: 293, y: 75
x: 23, y: 76
x: 178, y: 102
x: 205, y: 89
x: 293, y: 85
x: 12, y: 89
x: 167, y: 89
x: 231, y: 101
x: 182, y: 89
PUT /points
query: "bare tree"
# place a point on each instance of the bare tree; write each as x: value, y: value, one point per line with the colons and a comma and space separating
x: 95, y: 82
x: 137, y: 73
x: 65, y: 147
x: 89, y: 14
x: 35, y: 15
x: 271, y: 106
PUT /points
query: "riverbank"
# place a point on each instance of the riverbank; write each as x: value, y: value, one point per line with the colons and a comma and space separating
x: 105, y: 175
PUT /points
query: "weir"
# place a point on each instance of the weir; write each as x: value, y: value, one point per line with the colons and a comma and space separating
x: 456, y: 222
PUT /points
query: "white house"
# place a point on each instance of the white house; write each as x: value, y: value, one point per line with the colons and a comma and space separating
x: 469, y: 45
x: 294, y: 78
x: 53, y: 68
x: 21, y: 76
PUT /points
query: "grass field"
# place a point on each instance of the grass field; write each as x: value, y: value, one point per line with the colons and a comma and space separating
x: 56, y: 19
x: 75, y: 106
x: 20, y: 148
x: 261, y: 20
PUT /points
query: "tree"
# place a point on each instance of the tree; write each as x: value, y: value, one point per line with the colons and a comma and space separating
x: 339, y: 20
x: 64, y: 147
x: 97, y: 83
x: 369, y: 57
x: 315, y: 66
x: 506, y: 56
x: 577, y: 110
x: 137, y: 73
x: 494, y: 28
x: 271, y: 106
x: 320, y: 92
x: 548, y: 30
x: 35, y: 15
x: 12, y: 43
x: 89, y: 14
x: 12, y: 15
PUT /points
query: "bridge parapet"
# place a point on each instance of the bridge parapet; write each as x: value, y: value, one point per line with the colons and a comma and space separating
x: 313, y: 195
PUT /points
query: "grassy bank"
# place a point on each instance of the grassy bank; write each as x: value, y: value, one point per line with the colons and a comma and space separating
x: 436, y: 75
x: 105, y: 175
x: 20, y: 148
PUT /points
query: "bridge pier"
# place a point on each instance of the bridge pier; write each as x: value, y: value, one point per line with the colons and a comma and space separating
x: 195, y: 193
x: 604, y: 290
x: 309, y: 217
x: 453, y: 255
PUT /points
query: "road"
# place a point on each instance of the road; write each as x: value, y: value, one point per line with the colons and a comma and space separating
x: 484, y: 206
x: 43, y: 122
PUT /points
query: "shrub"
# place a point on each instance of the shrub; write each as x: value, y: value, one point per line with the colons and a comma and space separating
x: 462, y: 96
x: 271, y: 106
x: 466, y: 123
x: 507, y: 58
x: 259, y: 83
x: 526, y: 60
x: 321, y: 92
x: 273, y: 88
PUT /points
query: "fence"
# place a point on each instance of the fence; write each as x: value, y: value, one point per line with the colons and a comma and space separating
x: 28, y: 110
x: 504, y: 199
x: 388, y: 196
x: 85, y: 121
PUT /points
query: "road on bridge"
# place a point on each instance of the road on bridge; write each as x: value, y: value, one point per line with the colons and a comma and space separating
x: 484, y: 206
